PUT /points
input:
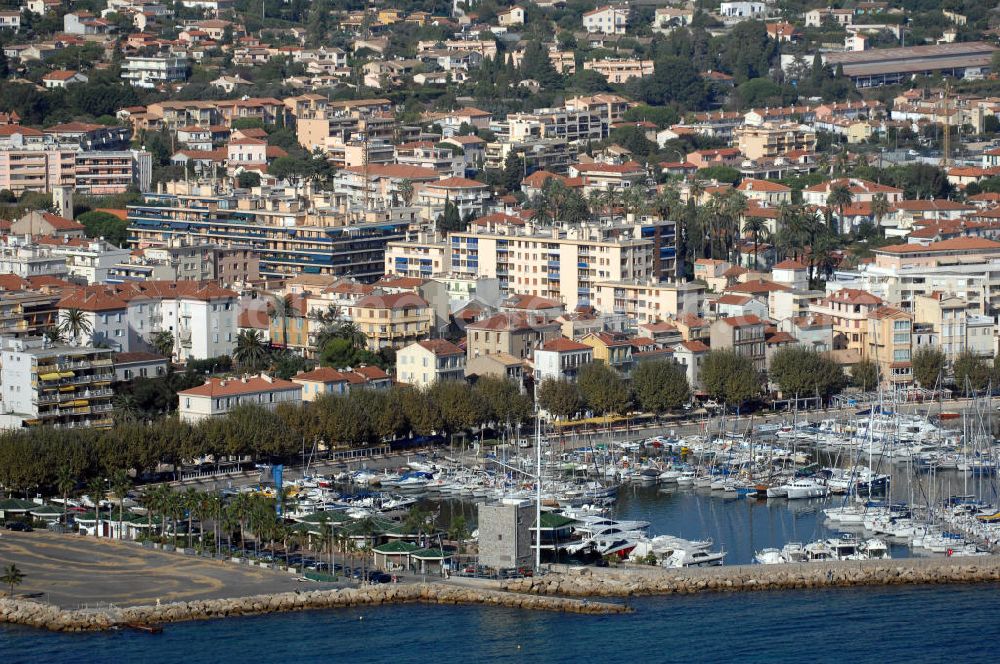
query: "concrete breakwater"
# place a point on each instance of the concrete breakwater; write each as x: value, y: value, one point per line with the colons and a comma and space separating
x: 608, y: 582
x: 47, y: 616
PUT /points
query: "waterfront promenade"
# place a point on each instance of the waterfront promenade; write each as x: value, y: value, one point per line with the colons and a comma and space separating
x: 71, y: 571
x: 194, y: 589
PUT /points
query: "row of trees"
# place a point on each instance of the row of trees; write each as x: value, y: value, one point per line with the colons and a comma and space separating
x: 36, y: 459
x: 655, y: 387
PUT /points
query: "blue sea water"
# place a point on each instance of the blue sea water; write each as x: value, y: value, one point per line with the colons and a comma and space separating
x: 917, y: 624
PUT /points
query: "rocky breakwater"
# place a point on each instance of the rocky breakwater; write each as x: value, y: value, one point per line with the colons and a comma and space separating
x: 601, y: 582
x: 45, y: 616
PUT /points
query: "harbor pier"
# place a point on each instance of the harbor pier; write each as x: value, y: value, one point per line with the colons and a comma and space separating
x: 566, y: 581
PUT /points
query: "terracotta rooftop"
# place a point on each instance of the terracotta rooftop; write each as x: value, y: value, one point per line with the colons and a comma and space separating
x: 227, y: 387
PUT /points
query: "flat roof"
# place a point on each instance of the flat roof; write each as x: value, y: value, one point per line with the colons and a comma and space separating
x: 911, y: 59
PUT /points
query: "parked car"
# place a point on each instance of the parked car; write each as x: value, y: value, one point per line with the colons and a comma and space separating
x: 379, y: 577
x: 19, y: 526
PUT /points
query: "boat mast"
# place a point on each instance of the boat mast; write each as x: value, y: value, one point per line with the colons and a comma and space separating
x: 538, y: 486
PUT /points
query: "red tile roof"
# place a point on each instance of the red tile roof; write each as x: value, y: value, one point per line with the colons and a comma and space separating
x: 440, y: 347
x: 227, y: 387
x: 564, y: 345
x: 742, y: 321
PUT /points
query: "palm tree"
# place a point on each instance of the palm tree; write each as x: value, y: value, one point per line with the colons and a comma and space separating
x: 12, y: 576
x: 283, y: 308
x: 74, y: 323
x: 406, y: 191
x: 756, y: 227
x: 190, y: 500
x: 880, y: 208
x: 120, y: 484
x: 250, y: 352
x: 65, y: 483
x: 350, y: 331
x: 96, y: 492
x: 163, y: 342
x: 326, y: 537
x: 126, y: 408
x: 840, y: 197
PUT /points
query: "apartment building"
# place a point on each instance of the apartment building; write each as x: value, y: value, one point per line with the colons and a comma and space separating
x: 392, y: 320
x: 620, y: 70
x: 515, y: 334
x: 956, y: 251
x: 469, y: 196
x: 771, y: 140
x: 201, y: 316
x: 47, y: 168
x: 287, y: 238
x: 862, y: 191
x: 324, y: 381
x: 540, y: 154
x: 54, y: 385
x: 849, y: 309
x: 608, y: 20
x: 956, y: 329
x: 418, y: 256
x: 561, y: 359
x: 566, y: 262
x: 890, y: 344
x: 88, y: 261
x: 21, y: 256
x: 742, y: 334
x: 651, y: 301
x: 380, y: 185
x: 26, y: 312
x: 217, y: 397
x: 570, y: 125
x: 153, y: 71
x: 426, y: 362
x: 601, y: 177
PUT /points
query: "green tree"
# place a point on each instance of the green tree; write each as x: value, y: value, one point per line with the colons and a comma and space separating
x: 928, y: 367
x: 801, y: 372
x: 675, y: 80
x: 65, y: 483
x: 561, y: 398
x: 250, y: 352
x: 96, y: 491
x: 660, y: 386
x: 864, y: 375
x: 603, y: 389
x: 74, y: 324
x: 248, y: 180
x: 840, y: 197
x: 450, y: 221
x: 120, y: 485
x: 106, y: 225
x: 972, y: 373
x: 163, y: 342
x: 12, y: 576
x: 729, y: 376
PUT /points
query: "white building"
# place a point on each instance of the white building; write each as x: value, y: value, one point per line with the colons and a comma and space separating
x: 219, y: 396
x: 56, y: 385
x: 561, y: 359
x: 202, y: 317
x: 425, y: 362
x: 149, y: 72
x: 87, y: 261
x: 742, y: 9
x: 20, y: 255
x: 608, y: 20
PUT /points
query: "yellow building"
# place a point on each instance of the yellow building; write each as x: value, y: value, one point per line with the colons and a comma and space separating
x: 392, y: 320
x: 615, y: 350
x: 770, y: 140
x: 890, y: 344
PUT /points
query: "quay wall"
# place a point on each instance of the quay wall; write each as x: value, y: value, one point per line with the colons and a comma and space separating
x: 567, y: 581
x: 47, y: 616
